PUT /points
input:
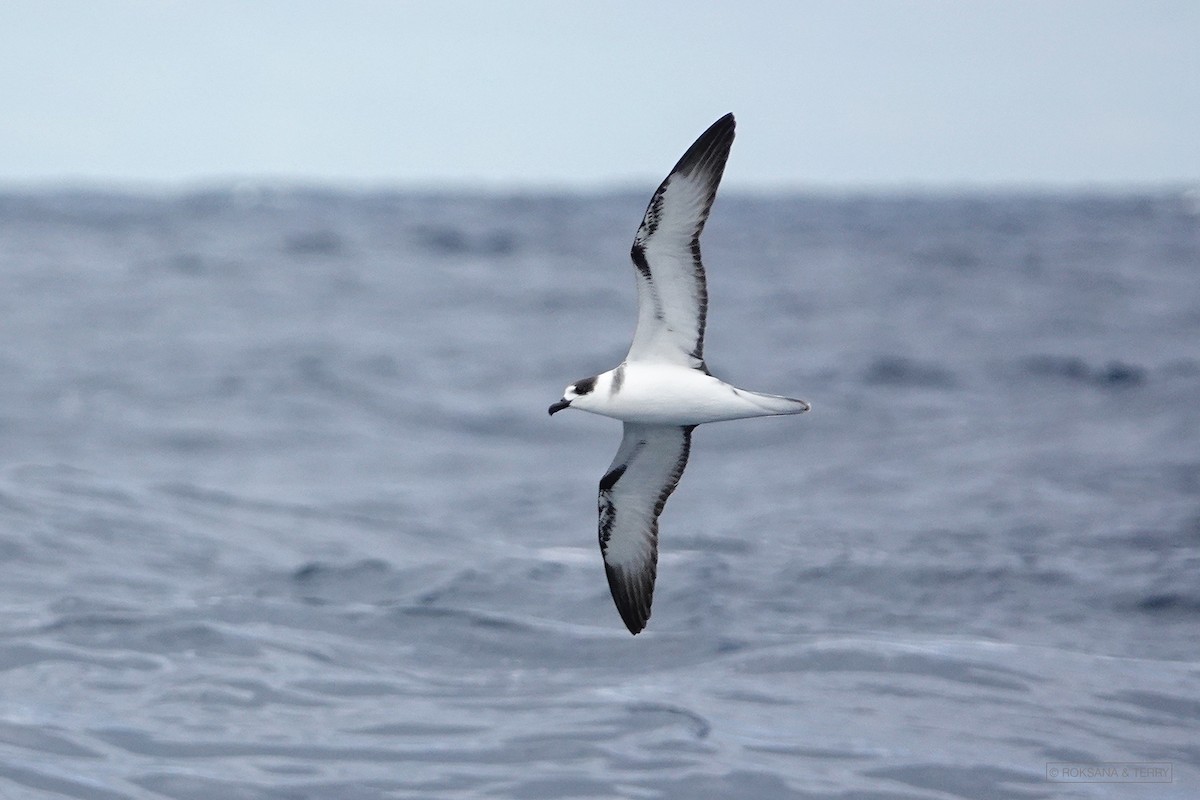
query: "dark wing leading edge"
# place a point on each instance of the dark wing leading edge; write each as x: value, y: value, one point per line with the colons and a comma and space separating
x: 672, y: 295
x: 632, y: 495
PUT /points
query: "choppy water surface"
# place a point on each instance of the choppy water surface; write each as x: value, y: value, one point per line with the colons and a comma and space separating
x: 282, y: 514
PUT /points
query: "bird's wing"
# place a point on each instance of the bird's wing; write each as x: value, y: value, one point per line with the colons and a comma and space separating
x: 632, y: 495
x: 672, y: 295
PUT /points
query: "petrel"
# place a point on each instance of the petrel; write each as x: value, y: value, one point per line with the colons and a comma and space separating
x: 663, y: 389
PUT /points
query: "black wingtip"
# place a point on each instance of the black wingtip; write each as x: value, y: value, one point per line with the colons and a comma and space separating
x: 712, y: 147
x: 726, y: 121
x: 633, y: 595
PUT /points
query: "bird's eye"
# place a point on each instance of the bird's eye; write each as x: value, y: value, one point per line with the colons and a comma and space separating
x: 584, y: 386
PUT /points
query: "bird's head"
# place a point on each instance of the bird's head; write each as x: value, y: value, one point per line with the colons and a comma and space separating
x: 573, y: 393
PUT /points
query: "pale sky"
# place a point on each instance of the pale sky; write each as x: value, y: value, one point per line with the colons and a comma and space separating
x: 564, y: 94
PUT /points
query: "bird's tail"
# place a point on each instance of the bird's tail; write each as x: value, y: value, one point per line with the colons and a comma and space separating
x: 774, y: 403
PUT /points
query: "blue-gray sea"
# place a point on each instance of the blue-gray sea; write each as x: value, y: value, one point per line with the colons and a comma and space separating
x: 282, y: 514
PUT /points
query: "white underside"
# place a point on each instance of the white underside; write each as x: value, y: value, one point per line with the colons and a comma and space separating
x: 667, y: 394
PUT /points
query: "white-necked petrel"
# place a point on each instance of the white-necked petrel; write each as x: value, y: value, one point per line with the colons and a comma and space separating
x: 663, y: 389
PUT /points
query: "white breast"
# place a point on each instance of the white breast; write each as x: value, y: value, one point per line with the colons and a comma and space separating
x: 666, y: 394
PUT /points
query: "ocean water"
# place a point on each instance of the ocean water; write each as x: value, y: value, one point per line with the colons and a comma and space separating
x: 282, y: 514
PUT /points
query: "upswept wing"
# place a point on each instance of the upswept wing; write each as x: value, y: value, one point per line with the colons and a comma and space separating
x: 643, y: 475
x: 672, y: 294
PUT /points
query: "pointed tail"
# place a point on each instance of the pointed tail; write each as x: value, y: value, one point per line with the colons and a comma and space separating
x: 774, y: 403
